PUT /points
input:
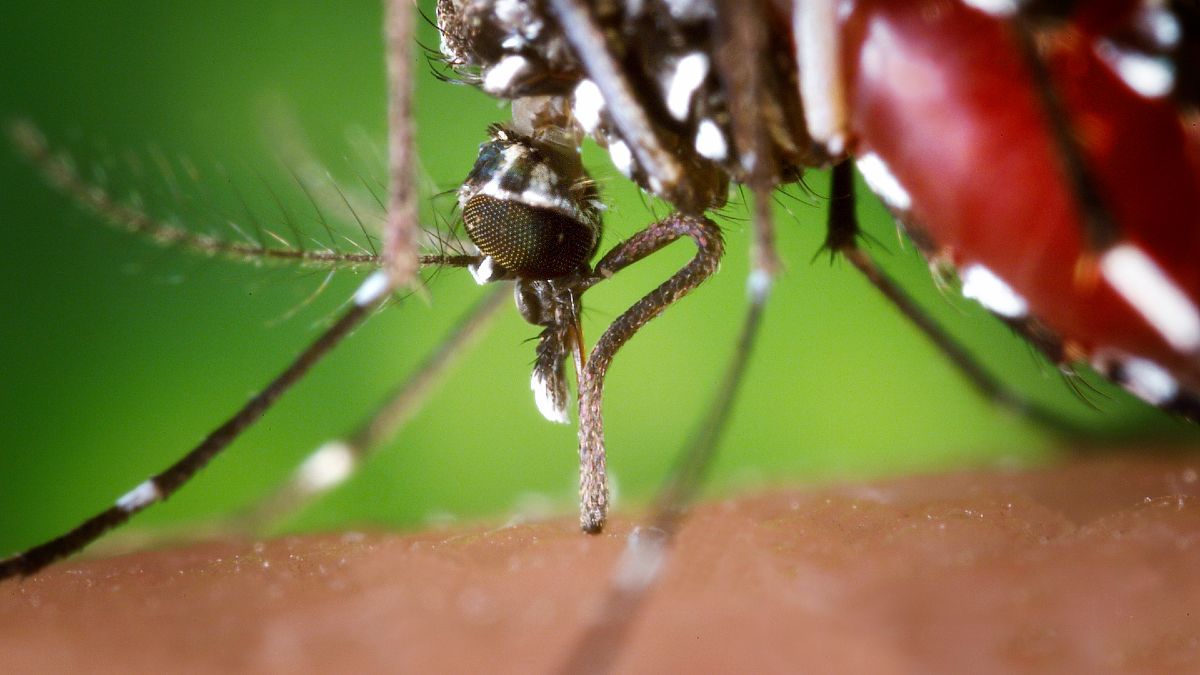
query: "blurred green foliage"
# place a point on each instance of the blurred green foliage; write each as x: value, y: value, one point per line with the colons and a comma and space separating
x: 117, y: 355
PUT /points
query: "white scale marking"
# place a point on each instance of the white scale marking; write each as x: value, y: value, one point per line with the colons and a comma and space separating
x: 535, y: 197
x: 375, y: 287
x: 501, y: 75
x: 994, y: 7
x: 531, y: 197
x: 1160, y: 24
x: 710, y: 142
x: 588, y: 104
x: 1148, y: 76
x: 484, y: 271
x: 980, y: 283
x: 1147, y: 288
x: 555, y: 411
x: 689, y: 75
x: 331, y: 464
x: 1149, y: 381
x: 818, y: 58
x: 622, y: 158
x: 140, y: 497
x: 882, y: 182
x: 758, y: 286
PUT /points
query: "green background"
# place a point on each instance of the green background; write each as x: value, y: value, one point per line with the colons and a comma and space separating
x: 117, y: 355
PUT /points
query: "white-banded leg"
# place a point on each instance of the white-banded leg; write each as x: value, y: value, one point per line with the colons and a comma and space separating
x: 373, y: 292
x: 336, y: 461
x: 842, y: 236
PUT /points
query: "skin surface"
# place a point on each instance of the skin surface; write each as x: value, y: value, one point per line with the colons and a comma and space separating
x: 1091, y: 566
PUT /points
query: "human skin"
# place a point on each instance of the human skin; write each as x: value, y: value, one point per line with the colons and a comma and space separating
x: 1090, y: 566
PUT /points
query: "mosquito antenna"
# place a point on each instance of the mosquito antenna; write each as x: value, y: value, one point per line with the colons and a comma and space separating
x: 370, y: 190
x: 133, y: 219
x: 258, y: 230
x: 316, y: 206
x: 361, y: 226
x: 285, y: 212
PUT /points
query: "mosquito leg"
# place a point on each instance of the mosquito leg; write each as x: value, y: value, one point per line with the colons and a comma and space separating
x: 336, y: 461
x: 164, y: 484
x: 369, y: 296
x: 740, y: 59
x: 842, y: 237
x: 593, y: 484
x: 672, y: 175
x: 628, y: 114
x: 1101, y: 230
x: 400, y: 232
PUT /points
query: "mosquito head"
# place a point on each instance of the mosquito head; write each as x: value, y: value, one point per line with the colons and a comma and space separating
x: 530, y: 207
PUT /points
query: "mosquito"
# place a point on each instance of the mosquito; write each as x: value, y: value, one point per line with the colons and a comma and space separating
x: 552, y: 304
x: 549, y: 304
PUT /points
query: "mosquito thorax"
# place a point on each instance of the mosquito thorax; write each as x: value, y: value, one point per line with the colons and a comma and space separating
x: 530, y: 208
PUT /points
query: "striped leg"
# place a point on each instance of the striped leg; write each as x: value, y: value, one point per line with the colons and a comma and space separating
x: 335, y: 461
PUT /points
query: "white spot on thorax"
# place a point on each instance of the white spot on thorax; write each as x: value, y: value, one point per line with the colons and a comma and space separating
x: 373, y: 288
x: 1149, y: 381
x: 512, y: 154
x: 548, y: 403
x: 622, y: 158
x: 1148, y: 76
x: 689, y: 75
x: 980, y: 283
x: 710, y: 142
x: 1148, y: 289
x: 518, y: 16
x: 331, y: 464
x: 882, y: 182
x: 510, y: 11
x: 588, y: 104
x: 542, y: 178
x: 501, y: 75
x: 690, y: 11
x: 140, y: 497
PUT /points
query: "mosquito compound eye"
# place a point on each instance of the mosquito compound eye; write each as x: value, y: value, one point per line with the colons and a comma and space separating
x: 531, y: 242
x: 533, y: 212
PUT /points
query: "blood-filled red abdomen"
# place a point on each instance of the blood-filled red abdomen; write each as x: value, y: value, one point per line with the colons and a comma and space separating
x: 950, y: 131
